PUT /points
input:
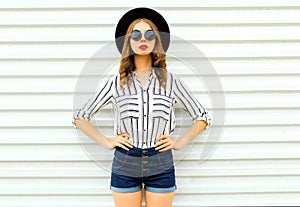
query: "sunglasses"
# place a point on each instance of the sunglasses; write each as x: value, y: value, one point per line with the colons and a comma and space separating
x: 137, y: 35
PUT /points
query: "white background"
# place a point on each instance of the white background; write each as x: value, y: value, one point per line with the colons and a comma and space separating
x: 254, y: 47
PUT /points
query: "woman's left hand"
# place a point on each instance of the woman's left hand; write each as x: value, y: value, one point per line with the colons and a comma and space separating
x: 164, y: 142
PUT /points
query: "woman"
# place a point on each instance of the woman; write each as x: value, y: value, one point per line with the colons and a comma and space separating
x: 144, y: 94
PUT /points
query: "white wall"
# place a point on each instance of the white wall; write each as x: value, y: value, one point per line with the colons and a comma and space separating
x: 254, y: 47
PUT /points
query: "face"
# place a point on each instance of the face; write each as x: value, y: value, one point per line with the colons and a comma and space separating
x: 136, y: 44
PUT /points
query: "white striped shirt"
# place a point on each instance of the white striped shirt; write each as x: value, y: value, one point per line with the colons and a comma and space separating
x: 144, y: 113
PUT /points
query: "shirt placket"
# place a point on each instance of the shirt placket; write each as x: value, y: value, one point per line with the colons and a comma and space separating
x: 145, y: 119
x: 145, y: 102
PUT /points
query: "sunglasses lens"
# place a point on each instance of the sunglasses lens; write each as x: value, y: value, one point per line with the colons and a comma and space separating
x: 136, y: 35
x: 150, y: 35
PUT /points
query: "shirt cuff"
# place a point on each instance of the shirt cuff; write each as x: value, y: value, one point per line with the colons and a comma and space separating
x: 73, y: 123
x: 206, y: 118
x: 77, y: 116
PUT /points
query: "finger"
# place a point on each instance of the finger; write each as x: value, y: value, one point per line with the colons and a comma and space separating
x: 160, y: 138
x: 165, y: 149
x: 127, y: 140
x: 125, y: 135
x: 122, y: 146
x: 161, y: 142
x: 163, y: 146
x: 124, y: 142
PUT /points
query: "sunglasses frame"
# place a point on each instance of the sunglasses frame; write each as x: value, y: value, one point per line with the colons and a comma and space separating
x: 141, y: 35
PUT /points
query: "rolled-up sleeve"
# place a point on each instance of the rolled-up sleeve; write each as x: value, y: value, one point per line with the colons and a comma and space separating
x: 183, y: 95
x: 102, y: 96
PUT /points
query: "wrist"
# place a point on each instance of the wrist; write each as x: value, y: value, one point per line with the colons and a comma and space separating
x: 176, y: 145
x: 107, y: 142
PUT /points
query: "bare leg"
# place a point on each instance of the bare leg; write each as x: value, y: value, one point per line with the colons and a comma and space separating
x: 128, y: 199
x: 159, y: 199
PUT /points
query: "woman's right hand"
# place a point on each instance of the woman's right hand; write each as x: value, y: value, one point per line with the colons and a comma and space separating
x: 120, y: 140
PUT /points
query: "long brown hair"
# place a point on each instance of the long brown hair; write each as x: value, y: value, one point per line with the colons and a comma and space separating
x: 127, y: 65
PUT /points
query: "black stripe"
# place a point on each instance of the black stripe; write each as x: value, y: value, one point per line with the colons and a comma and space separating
x: 157, y: 128
x: 183, y: 101
x: 129, y: 110
x: 128, y: 104
x: 190, y: 96
x: 137, y: 131
x: 170, y: 120
x: 132, y: 133
x: 147, y: 117
x: 143, y: 132
x: 171, y: 84
x: 95, y: 99
x: 116, y: 85
x: 152, y: 129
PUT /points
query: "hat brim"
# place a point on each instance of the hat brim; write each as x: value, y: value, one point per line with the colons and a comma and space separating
x: 142, y: 12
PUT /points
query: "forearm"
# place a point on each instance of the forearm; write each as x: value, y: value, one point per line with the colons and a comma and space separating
x: 196, y: 128
x: 87, y: 128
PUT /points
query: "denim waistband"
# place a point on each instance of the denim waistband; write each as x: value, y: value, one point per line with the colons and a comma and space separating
x: 139, y: 152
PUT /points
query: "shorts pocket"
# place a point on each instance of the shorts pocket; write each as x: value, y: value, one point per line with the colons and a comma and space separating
x: 119, y: 159
x: 166, y: 161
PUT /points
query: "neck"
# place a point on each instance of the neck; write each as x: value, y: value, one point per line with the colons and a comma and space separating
x: 143, y: 62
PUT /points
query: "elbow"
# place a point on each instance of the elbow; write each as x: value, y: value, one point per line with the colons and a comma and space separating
x: 202, y: 125
x: 77, y: 122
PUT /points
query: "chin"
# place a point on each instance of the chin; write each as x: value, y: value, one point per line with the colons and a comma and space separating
x: 143, y: 53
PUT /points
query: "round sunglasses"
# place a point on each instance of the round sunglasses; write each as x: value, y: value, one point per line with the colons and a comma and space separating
x: 137, y: 35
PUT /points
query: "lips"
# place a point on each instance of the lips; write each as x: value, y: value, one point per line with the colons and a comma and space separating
x: 143, y: 47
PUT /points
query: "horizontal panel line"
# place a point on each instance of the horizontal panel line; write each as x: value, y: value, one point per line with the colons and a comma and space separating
x: 109, y: 109
x: 92, y: 42
x: 92, y: 161
x: 99, y: 192
x: 188, y: 58
x: 196, y: 92
x: 215, y: 125
x: 198, y: 142
x: 292, y: 75
x: 254, y: 24
x: 239, y: 193
x: 186, y: 159
x: 281, y: 175
x: 104, y: 8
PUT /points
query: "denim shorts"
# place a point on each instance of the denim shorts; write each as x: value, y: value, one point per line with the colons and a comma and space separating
x: 133, y: 169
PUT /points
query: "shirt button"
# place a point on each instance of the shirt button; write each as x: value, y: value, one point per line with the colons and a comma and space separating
x: 145, y: 115
x: 145, y: 102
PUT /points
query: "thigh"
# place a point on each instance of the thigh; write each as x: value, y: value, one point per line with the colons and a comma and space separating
x: 159, y: 199
x: 128, y: 199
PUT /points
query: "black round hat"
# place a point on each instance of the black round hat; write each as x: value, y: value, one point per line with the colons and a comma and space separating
x: 142, y: 12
